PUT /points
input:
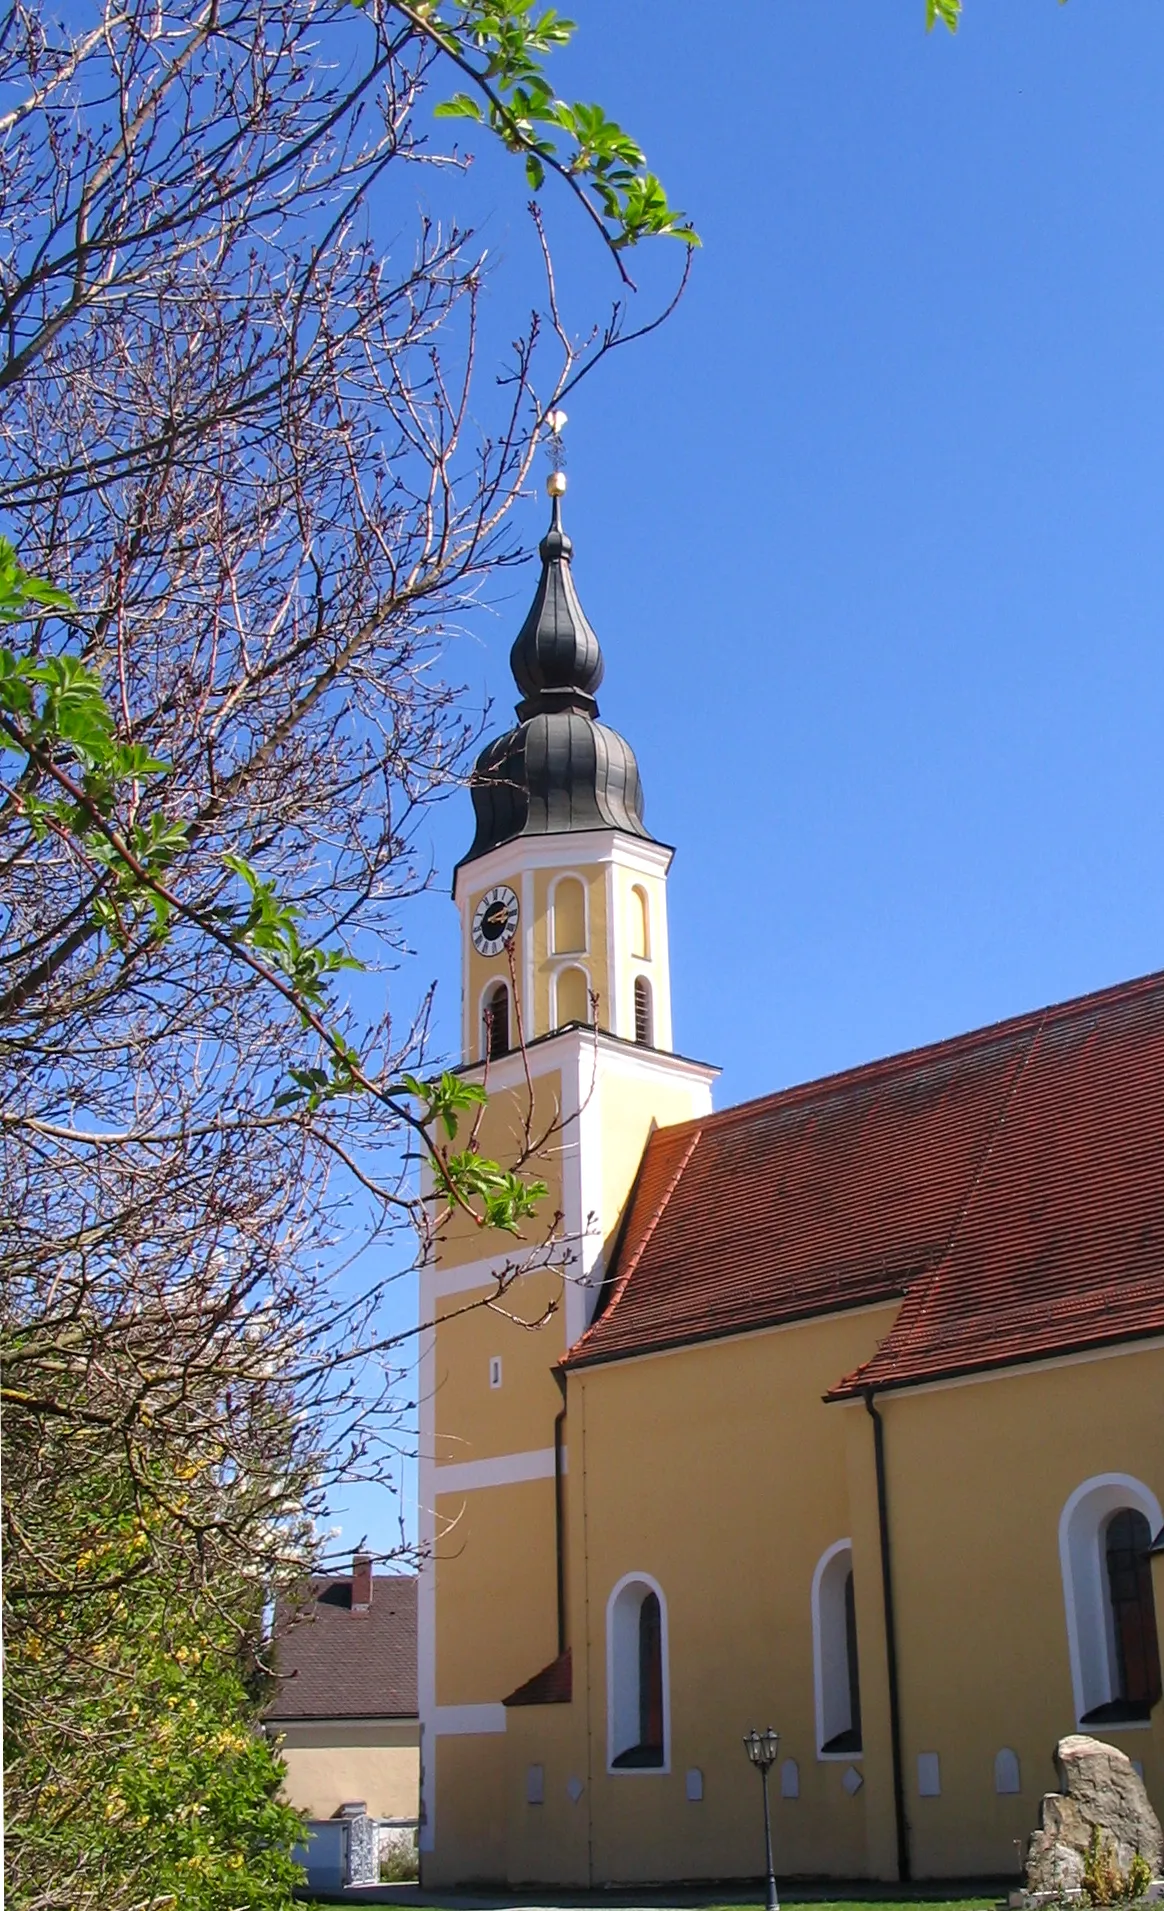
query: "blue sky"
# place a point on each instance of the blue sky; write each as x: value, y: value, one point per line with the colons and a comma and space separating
x: 871, y: 530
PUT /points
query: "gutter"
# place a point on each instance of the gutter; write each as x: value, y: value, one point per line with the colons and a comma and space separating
x: 560, y: 1510
x: 904, y: 1867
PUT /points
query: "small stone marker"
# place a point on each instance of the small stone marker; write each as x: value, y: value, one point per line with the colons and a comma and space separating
x: 1100, y: 1787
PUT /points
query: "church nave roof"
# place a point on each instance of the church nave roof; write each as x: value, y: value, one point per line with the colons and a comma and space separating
x: 1008, y: 1184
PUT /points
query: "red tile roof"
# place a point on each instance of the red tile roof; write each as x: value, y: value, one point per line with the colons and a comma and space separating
x: 553, y: 1685
x: 1008, y: 1183
x: 333, y: 1663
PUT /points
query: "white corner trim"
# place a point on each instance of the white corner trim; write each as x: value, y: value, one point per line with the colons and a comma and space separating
x: 426, y: 1584
x: 502, y: 1469
x: 462, y: 1721
x: 529, y: 973
x: 462, y: 1277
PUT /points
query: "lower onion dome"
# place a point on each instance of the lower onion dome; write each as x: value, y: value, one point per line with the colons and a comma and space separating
x: 558, y: 771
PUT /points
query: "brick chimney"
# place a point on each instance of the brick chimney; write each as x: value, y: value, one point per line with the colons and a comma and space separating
x: 361, y: 1582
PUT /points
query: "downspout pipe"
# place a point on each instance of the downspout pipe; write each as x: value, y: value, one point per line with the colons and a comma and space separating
x: 904, y: 1867
x: 560, y: 1511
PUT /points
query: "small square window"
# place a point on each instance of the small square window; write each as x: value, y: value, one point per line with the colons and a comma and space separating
x: 535, y: 1785
x: 495, y: 1371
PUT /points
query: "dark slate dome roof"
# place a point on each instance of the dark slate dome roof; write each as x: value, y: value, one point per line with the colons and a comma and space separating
x: 559, y: 769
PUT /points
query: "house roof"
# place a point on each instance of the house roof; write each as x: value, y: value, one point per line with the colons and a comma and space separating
x: 1007, y: 1184
x: 331, y: 1662
x: 553, y: 1685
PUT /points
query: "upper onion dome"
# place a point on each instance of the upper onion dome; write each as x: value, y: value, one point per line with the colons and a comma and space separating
x: 555, y: 660
x: 559, y: 769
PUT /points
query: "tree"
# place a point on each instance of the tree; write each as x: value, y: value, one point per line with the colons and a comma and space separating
x: 246, y: 445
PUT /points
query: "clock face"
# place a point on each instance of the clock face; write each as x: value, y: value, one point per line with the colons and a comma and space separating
x: 495, y: 921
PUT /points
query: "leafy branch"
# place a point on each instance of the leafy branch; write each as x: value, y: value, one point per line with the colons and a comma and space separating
x: 54, y: 715
x: 500, y: 46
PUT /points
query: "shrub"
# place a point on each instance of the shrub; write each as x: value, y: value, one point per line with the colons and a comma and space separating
x: 399, y: 1860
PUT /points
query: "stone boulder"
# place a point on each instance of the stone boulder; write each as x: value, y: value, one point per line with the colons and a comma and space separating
x: 1099, y: 1786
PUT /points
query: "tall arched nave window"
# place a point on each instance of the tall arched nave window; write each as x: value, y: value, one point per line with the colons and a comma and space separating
x: 836, y: 1674
x: 1105, y: 1537
x: 637, y: 1702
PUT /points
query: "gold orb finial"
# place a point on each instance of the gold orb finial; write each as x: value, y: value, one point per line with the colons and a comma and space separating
x: 556, y: 484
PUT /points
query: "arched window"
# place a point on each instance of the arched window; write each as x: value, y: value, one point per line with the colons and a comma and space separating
x: 644, y: 1013
x: 495, y: 1021
x: 834, y: 1642
x: 1105, y: 1531
x: 1129, y: 1583
x: 572, y: 997
x: 636, y: 1661
x: 569, y: 916
x: 640, y: 924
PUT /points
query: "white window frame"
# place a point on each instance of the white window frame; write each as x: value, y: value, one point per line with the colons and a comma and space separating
x: 571, y: 875
x: 638, y: 889
x: 487, y: 990
x: 824, y: 1648
x: 569, y: 962
x: 640, y: 975
x: 622, y: 1636
x: 1086, y: 1596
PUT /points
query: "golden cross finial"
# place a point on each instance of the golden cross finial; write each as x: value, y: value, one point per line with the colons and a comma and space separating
x: 556, y: 452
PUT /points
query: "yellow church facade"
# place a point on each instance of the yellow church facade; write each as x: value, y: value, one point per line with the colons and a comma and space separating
x: 841, y: 1412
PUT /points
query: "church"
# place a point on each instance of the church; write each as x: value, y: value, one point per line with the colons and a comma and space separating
x: 840, y: 1412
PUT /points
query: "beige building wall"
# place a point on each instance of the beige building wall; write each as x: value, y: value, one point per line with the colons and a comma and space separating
x: 718, y: 1471
x: 331, y: 1763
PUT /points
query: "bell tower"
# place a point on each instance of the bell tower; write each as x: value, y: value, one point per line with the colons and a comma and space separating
x: 562, y: 894
x: 566, y: 1019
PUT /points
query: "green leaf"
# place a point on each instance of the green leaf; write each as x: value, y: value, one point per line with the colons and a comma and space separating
x: 947, y: 11
x: 459, y: 107
x: 535, y: 172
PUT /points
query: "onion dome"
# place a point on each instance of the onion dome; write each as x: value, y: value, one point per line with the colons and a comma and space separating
x: 559, y: 769
x: 556, y: 662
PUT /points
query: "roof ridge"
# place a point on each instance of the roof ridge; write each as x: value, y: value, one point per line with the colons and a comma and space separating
x: 885, y: 1066
x: 913, y: 1309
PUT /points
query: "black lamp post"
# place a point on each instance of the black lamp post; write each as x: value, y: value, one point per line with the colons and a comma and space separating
x: 762, y: 1748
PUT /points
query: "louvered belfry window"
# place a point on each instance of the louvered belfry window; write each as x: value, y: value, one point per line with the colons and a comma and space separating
x: 644, y: 1020
x: 496, y: 1020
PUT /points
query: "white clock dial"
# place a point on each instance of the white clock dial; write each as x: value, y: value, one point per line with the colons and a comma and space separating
x: 495, y: 921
